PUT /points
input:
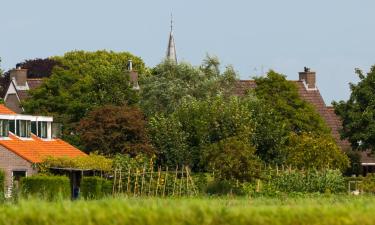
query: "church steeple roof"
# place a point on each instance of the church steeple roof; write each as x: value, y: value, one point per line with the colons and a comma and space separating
x: 171, y: 49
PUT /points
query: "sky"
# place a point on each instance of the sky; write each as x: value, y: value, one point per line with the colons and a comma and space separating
x: 332, y: 37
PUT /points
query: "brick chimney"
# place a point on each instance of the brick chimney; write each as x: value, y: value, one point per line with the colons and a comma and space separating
x: 309, y: 77
x: 19, y: 75
x: 133, y: 75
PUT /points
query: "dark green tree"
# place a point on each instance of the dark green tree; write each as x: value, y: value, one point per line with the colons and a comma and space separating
x: 282, y: 96
x: 358, y: 113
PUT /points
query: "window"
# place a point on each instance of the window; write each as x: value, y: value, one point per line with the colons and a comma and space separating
x: 23, y: 128
x: 42, y: 129
x: 4, y: 128
x: 17, y: 175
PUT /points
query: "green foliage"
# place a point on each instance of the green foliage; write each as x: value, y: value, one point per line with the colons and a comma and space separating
x: 295, y: 113
x: 2, y: 185
x: 358, y: 113
x: 315, y: 151
x: 223, y: 187
x: 355, y: 167
x: 115, y: 129
x: 90, y: 162
x: 324, y: 181
x: 198, y: 123
x: 232, y: 159
x: 170, y: 83
x: 81, y: 82
x: 46, y: 187
x: 95, y: 187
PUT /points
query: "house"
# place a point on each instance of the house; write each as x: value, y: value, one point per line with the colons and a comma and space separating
x: 308, y: 91
x: 18, y: 88
x: 25, y: 141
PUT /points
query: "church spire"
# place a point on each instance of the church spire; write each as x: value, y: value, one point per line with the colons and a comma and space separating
x: 171, y: 49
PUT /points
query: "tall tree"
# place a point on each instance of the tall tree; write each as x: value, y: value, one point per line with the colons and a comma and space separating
x: 170, y: 83
x: 80, y: 82
x: 282, y: 95
x: 358, y: 113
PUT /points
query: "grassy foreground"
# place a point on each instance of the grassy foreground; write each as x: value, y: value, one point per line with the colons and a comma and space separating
x: 319, y: 210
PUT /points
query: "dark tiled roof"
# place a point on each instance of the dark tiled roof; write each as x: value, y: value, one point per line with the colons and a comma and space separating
x: 34, y: 83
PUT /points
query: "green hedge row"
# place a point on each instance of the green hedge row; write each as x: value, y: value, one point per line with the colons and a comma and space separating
x: 45, y: 187
x: 95, y: 187
x: 2, y: 180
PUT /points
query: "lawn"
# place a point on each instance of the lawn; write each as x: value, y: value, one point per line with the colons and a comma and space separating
x: 281, y: 210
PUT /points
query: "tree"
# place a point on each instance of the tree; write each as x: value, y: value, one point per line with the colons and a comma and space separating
x: 170, y: 83
x: 80, y: 82
x: 315, y: 151
x: 232, y: 159
x: 282, y: 95
x: 115, y: 129
x: 198, y: 123
x: 358, y: 113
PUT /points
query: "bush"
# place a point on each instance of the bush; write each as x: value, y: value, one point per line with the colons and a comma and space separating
x: 46, y: 187
x: 326, y: 181
x: 2, y: 179
x: 95, y: 187
x: 223, y: 187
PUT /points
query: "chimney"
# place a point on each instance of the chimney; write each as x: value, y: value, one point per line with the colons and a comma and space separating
x: 309, y: 77
x: 133, y: 75
x: 19, y: 75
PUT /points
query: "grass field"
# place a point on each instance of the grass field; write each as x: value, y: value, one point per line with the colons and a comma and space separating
x: 297, y: 210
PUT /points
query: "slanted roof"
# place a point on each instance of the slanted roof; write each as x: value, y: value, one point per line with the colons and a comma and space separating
x: 312, y: 96
x: 5, y: 110
x: 35, y: 150
x: 32, y: 84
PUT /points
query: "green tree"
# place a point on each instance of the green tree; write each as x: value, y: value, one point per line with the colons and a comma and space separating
x: 358, y: 113
x: 82, y: 81
x: 110, y: 130
x: 198, y: 123
x: 315, y: 151
x: 232, y: 159
x: 170, y: 83
x: 282, y: 95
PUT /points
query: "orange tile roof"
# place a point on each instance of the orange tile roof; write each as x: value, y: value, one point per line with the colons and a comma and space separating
x: 36, y: 149
x: 5, y: 110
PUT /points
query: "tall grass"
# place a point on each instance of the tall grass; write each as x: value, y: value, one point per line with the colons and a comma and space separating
x: 318, y: 210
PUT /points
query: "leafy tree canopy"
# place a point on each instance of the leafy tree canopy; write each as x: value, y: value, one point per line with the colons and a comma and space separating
x: 170, y: 83
x: 111, y: 130
x: 81, y: 81
x: 282, y: 95
x: 358, y: 113
x: 315, y: 151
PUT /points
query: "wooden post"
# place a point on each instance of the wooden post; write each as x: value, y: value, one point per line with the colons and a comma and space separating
x: 136, y: 183
x: 187, y: 180
x: 143, y: 179
x: 175, y: 181
x: 128, y: 184
x: 165, y: 180
x: 114, y: 183
x: 150, y: 181
x: 157, y: 182
x: 182, y: 179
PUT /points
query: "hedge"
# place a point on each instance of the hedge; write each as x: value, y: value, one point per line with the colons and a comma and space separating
x: 45, y: 187
x: 2, y: 180
x: 95, y: 187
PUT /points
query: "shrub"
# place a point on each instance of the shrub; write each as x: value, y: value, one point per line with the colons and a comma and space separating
x: 95, y: 187
x: 223, y: 187
x: 2, y: 178
x: 310, y: 181
x: 46, y: 187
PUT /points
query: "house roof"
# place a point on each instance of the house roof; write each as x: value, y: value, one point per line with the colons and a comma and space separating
x: 5, y: 110
x: 35, y: 149
x: 32, y: 83
x: 312, y: 96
